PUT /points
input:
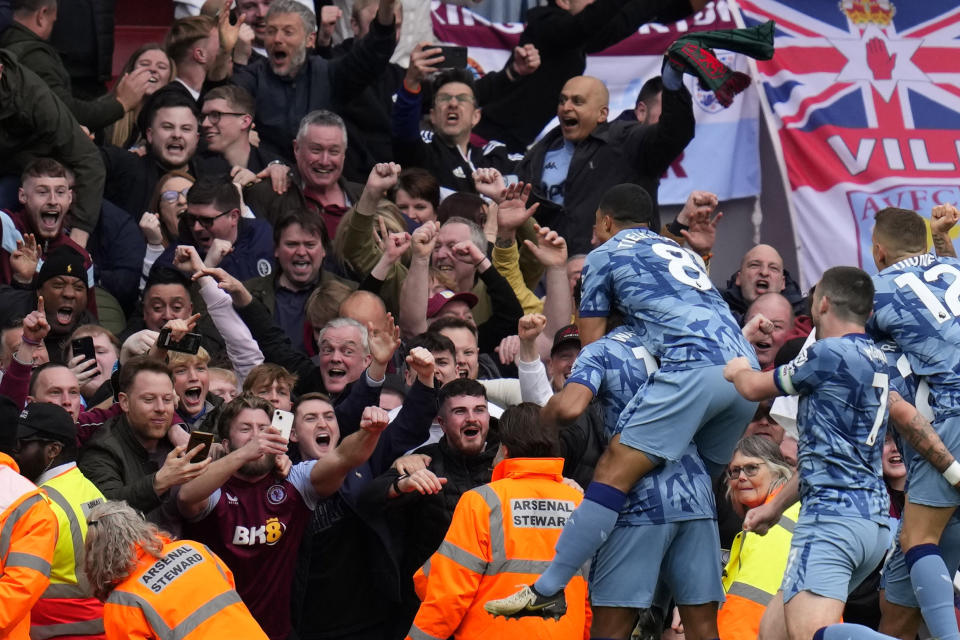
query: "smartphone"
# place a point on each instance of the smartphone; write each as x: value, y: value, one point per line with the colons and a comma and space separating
x: 282, y: 422
x: 200, y: 437
x: 189, y: 344
x: 84, y: 346
x: 453, y: 57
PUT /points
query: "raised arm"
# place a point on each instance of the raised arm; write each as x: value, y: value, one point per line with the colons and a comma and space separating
x: 534, y: 382
x: 242, y: 350
x: 551, y: 251
x: 369, y: 56
x: 942, y: 219
x: 414, y: 294
x: 328, y: 473
x: 194, y: 495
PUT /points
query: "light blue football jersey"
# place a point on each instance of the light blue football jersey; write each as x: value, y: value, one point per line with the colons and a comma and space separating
x: 843, y: 384
x: 666, y: 297
x: 614, y: 368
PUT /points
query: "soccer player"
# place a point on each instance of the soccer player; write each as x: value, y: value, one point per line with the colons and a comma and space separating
x: 664, y: 294
x: 843, y: 384
x: 669, y: 521
x: 917, y: 305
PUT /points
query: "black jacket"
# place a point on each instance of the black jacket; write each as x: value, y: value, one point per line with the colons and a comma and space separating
x: 420, y: 522
x: 83, y: 35
x: 564, y: 40
x: 210, y: 164
x: 425, y: 149
x: 734, y: 297
x: 271, y: 206
x: 345, y: 538
x: 131, y: 179
x: 320, y: 84
x: 616, y: 152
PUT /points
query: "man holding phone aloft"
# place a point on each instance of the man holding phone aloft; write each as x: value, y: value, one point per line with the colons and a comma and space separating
x: 254, y: 519
x: 130, y: 458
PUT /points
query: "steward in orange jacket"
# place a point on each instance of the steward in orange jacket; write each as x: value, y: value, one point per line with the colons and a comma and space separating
x: 28, y: 535
x: 161, y: 588
x: 502, y: 534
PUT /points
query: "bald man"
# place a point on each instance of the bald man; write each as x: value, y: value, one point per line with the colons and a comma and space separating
x: 578, y: 161
x: 762, y: 271
x: 565, y: 32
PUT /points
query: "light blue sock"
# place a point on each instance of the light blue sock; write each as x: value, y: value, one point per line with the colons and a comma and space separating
x: 933, y: 584
x: 582, y: 535
x: 844, y: 631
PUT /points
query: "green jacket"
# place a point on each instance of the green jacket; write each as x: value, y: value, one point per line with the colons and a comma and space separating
x: 116, y: 462
x: 41, y: 58
x: 264, y: 288
x: 35, y: 123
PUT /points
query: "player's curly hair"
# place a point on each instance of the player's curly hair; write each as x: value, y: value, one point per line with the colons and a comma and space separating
x: 114, y: 533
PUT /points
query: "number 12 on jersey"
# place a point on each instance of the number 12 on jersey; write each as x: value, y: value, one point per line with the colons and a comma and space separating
x: 928, y: 298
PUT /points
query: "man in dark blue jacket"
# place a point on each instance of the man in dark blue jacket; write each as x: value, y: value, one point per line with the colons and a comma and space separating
x: 289, y: 83
x: 243, y: 247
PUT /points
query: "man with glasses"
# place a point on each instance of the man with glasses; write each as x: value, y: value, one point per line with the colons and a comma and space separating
x: 445, y: 152
x: 213, y: 225
x: 226, y: 119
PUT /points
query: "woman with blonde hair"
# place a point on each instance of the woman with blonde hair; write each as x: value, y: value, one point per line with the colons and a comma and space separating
x: 753, y: 574
x: 155, y: 587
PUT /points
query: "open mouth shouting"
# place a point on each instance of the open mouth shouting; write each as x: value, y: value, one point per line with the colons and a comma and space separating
x: 193, y: 397
x: 762, y: 286
x: 335, y: 378
x: 301, y: 267
x: 175, y: 150
x: 49, y: 223
x: 65, y: 314
x: 569, y: 123
x: 324, y: 439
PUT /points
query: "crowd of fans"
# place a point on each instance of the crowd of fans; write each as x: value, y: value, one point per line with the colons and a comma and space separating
x: 387, y: 254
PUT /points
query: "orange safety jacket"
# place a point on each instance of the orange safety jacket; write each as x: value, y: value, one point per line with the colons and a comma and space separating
x: 753, y: 575
x: 67, y: 610
x: 502, y: 535
x: 187, y: 594
x: 28, y: 533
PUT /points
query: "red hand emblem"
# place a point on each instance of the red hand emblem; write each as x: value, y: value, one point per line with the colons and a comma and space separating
x: 880, y: 62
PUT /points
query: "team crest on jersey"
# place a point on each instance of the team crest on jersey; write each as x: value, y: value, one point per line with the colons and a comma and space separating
x: 426, y: 136
x: 276, y: 494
